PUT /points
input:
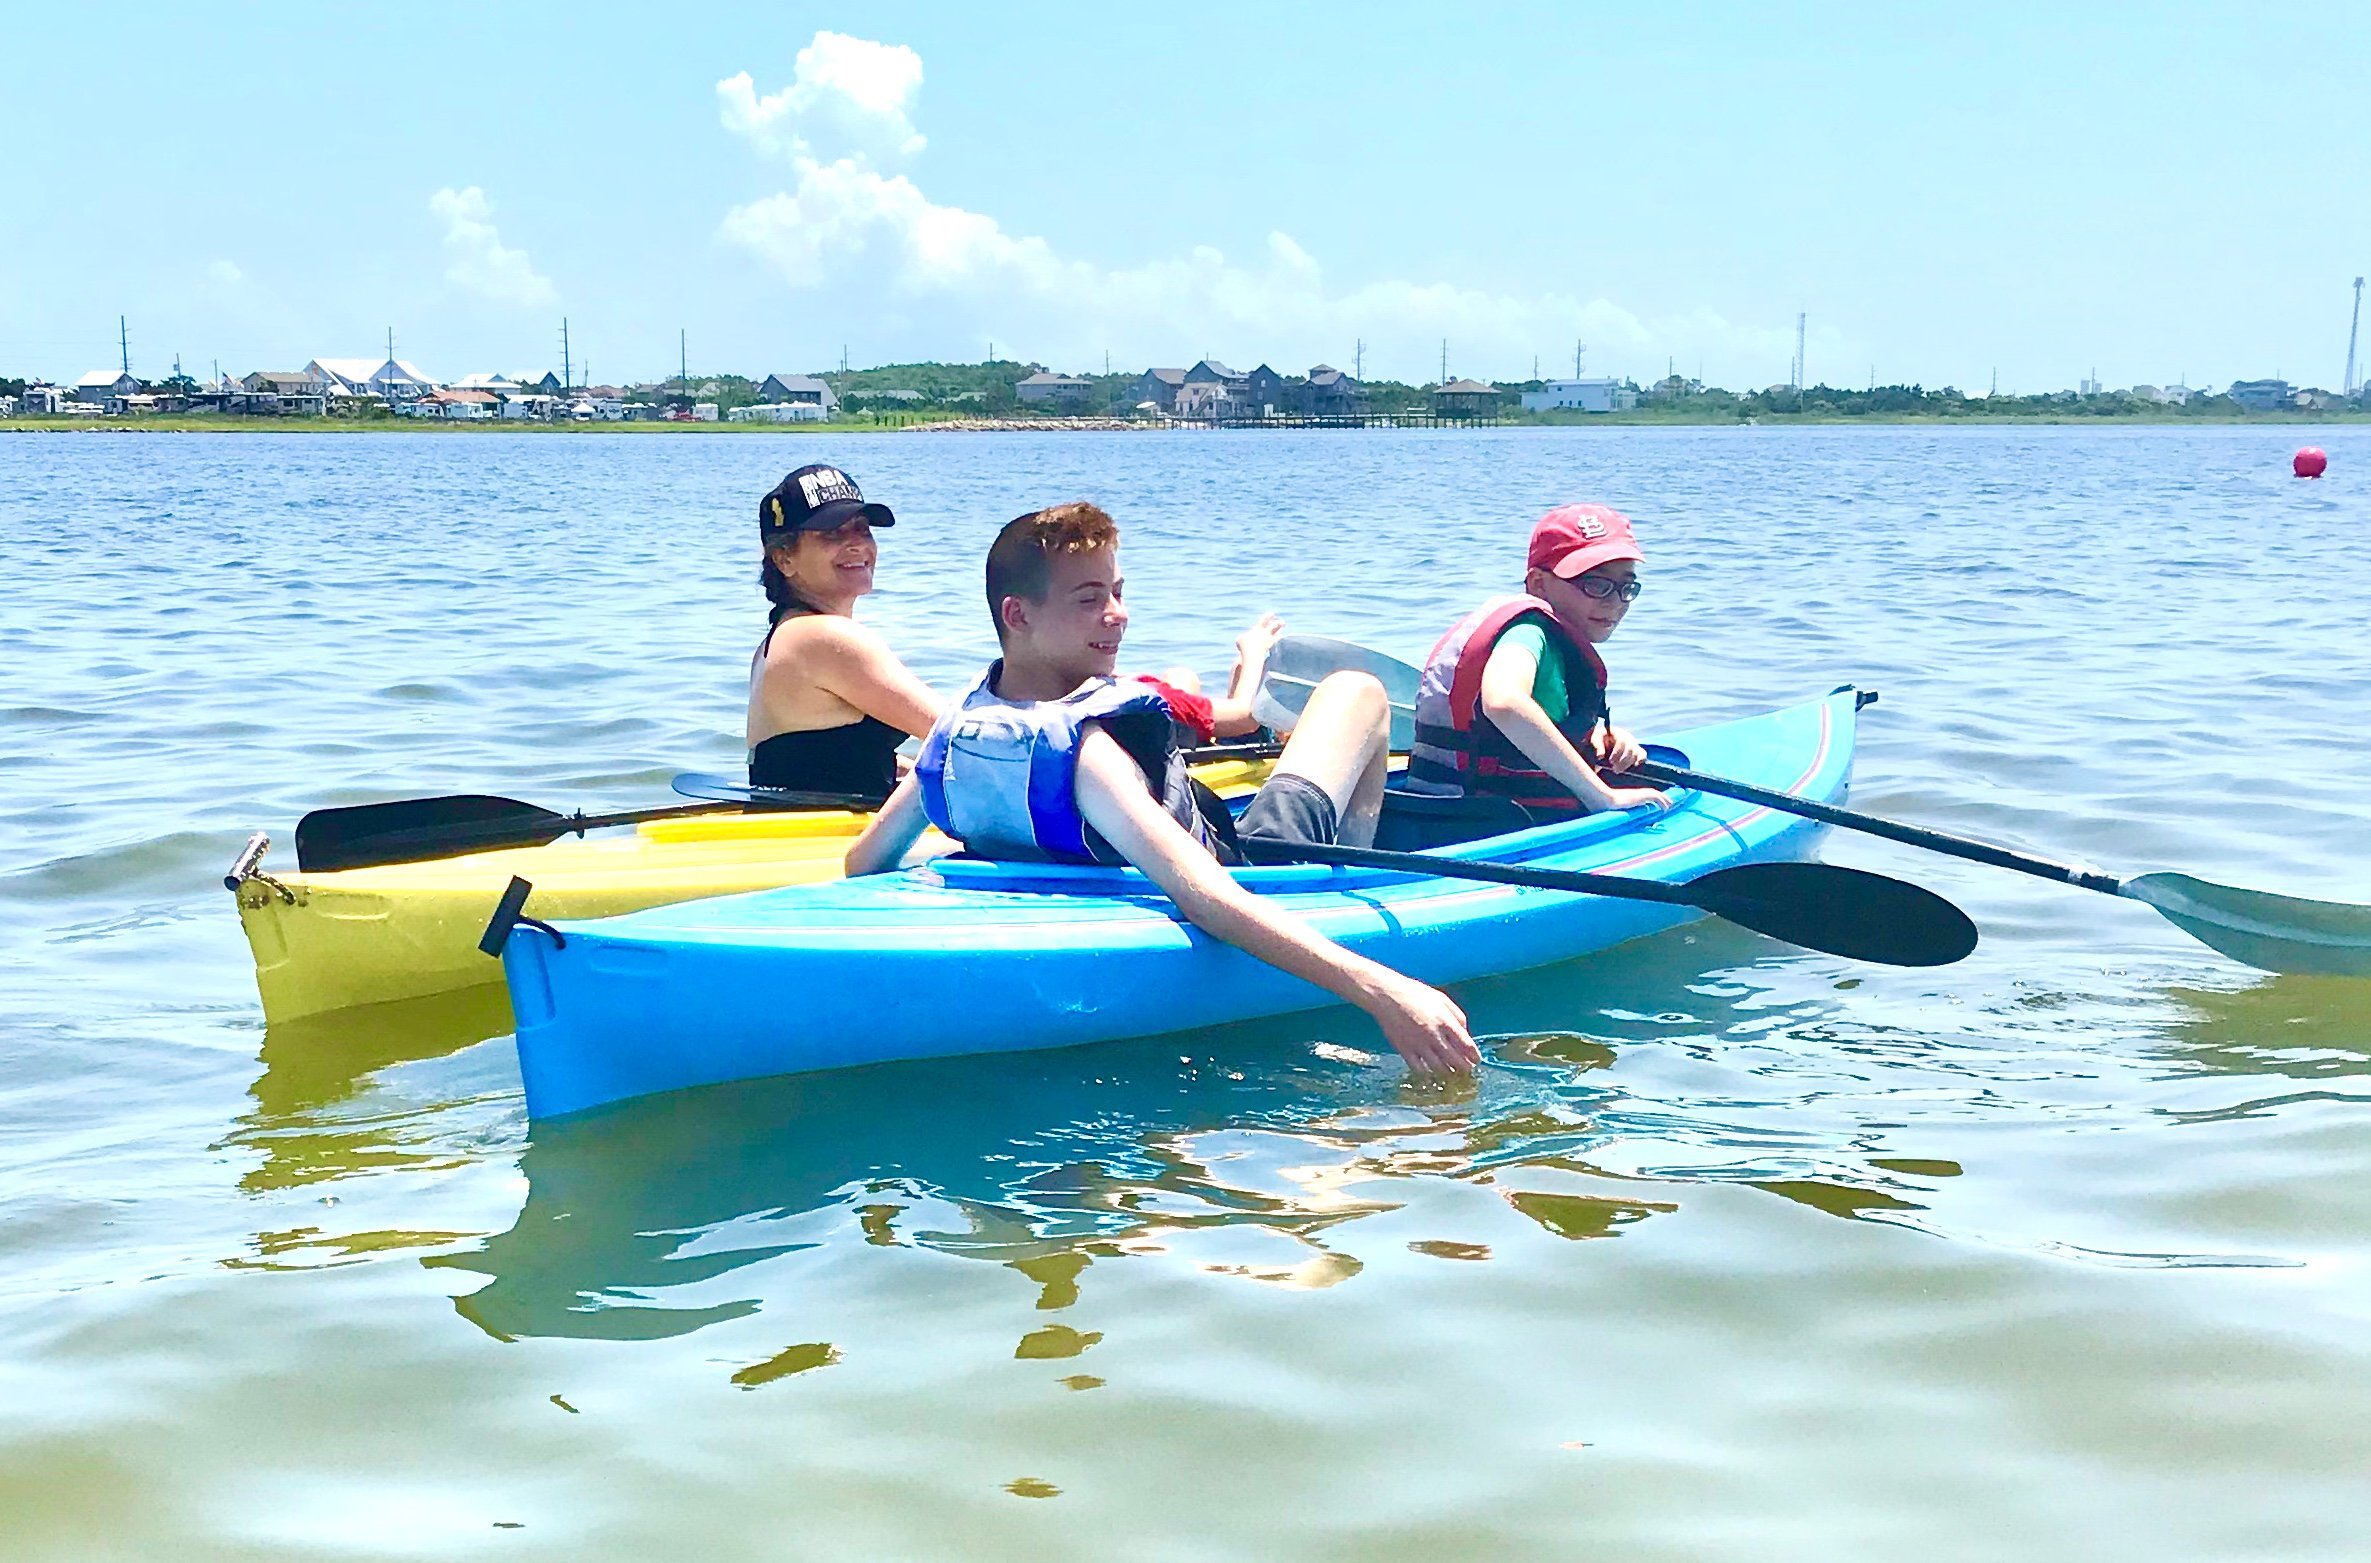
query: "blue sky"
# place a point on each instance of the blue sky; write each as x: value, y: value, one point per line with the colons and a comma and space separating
x: 2154, y: 190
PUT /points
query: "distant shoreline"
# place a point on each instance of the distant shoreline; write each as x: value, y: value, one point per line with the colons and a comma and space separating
x: 169, y: 424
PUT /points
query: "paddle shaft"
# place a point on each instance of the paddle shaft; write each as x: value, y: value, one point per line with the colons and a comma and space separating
x: 386, y: 847
x: 1892, y: 830
x: 1576, y: 881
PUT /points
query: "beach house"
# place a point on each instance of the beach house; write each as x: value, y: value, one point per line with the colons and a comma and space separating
x: 798, y: 390
x: 391, y: 380
x: 1329, y: 393
x: 285, y: 393
x: 1211, y: 390
x: 458, y: 404
x: 101, y: 386
x: 1065, y: 391
x: 1157, y: 386
x: 1597, y: 394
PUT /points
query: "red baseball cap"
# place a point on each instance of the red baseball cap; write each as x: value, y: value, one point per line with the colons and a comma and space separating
x: 1572, y: 540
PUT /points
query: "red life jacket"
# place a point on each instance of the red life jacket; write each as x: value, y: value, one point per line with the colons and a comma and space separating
x: 1458, y: 749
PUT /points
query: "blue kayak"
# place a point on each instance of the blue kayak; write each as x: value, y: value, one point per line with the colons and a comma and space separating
x: 974, y: 957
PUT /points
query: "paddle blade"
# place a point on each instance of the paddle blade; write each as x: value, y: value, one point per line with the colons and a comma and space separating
x: 1300, y: 663
x: 2271, y: 932
x: 366, y: 835
x: 1842, y: 911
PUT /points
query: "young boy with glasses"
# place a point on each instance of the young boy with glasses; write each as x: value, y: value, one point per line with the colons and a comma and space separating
x: 1512, y: 701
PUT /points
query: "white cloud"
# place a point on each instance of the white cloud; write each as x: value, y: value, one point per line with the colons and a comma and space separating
x: 226, y: 273
x: 847, y: 97
x: 482, y: 263
x: 847, y: 225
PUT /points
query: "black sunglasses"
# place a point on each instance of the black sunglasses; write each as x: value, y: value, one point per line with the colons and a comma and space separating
x: 1604, y: 588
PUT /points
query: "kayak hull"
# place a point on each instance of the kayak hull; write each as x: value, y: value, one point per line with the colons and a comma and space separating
x: 331, y: 941
x: 964, y: 957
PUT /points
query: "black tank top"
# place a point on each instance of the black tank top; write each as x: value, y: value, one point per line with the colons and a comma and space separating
x: 857, y: 757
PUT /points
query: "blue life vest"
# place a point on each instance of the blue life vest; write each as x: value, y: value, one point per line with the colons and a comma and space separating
x: 1001, y: 776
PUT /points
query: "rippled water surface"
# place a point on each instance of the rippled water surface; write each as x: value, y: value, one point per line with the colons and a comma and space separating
x: 1731, y: 1251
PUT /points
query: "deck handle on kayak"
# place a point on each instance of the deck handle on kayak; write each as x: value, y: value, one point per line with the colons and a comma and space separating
x: 247, y: 867
x: 509, y: 913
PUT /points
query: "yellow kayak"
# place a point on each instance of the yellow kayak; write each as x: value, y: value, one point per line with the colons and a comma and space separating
x: 328, y: 941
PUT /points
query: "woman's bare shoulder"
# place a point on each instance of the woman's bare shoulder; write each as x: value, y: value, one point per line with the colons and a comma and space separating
x: 824, y: 632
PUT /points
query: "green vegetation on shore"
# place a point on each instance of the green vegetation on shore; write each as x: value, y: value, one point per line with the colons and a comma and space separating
x: 1689, y: 402
x: 198, y: 423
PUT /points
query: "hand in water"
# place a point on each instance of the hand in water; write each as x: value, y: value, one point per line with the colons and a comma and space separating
x: 1426, y: 1027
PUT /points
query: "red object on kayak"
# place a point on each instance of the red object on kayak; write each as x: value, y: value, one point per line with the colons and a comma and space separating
x: 2311, y: 462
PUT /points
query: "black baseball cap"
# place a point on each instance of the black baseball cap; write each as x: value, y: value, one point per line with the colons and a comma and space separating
x: 816, y: 499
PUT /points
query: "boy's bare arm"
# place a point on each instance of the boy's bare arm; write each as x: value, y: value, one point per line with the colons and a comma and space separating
x: 1507, y: 701
x: 1422, y: 1023
x: 892, y: 833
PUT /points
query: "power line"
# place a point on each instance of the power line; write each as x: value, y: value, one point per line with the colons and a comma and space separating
x: 123, y: 337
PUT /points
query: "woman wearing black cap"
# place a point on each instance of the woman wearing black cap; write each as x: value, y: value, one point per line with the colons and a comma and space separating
x: 829, y: 702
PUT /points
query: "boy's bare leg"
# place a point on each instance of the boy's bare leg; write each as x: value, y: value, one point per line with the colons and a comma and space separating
x: 1342, y: 745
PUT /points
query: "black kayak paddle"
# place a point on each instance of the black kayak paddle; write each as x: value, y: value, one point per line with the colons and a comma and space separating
x: 2283, y: 933
x: 1841, y: 911
x: 369, y: 835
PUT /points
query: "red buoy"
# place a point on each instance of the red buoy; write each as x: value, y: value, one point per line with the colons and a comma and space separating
x: 2311, y: 462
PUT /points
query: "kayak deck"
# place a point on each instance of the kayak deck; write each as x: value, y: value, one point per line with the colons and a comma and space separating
x: 329, y: 941
x: 964, y: 957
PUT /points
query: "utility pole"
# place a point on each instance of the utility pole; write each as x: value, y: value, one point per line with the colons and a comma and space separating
x: 1802, y: 370
x: 683, y: 359
x: 390, y: 344
x: 123, y: 337
x: 2353, y: 331
x: 1535, y: 366
x: 1996, y: 383
x: 1358, y: 360
x: 567, y: 365
x: 1444, y: 360
x: 843, y: 358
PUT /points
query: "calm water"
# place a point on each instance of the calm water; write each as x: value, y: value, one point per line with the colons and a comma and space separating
x: 1731, y: 1252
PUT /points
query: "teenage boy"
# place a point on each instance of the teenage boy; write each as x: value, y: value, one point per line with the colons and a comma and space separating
x: 1512, y: 700
x: 1050, y: 758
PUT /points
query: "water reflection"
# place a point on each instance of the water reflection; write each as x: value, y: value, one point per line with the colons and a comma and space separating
x: 1251, y: 1152
x: 2303, y: 1028
x: 311, y: 1121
